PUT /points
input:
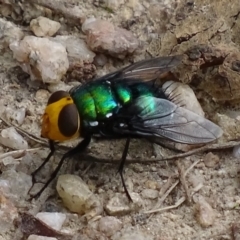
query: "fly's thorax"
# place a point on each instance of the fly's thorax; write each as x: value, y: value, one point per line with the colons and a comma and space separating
x: 60, y: 121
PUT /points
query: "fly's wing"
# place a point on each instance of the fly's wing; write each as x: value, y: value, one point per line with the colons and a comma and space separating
x: 155, y: 117
x: 145, y: 70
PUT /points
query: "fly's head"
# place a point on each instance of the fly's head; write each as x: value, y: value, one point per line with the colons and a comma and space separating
x: 61, y: 120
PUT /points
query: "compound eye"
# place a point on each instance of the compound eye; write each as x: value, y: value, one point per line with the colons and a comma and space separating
x: 68, y: 120
x: 56, y: 96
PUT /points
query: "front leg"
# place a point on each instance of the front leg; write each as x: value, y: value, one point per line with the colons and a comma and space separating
x: 78, y: 149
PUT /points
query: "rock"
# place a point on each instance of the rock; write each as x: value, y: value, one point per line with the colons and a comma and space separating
x: 80, y: 57
x: 43, y: 59
x: 182, y: 95
x: 8, y: 212
x: 77, y: 197
x: 211, y: 160
x: 19, y: 183
x: 17, y: 115
x: 6, y: 10
x: 236, y: 152
x: 100, y: 60
x: 204, y: 213
x: 54, y: 220
x: 236, y: 231
x: 42, y: 95
x: 119, y: 205
x: 150, y: 193
x: 44, y: 27
x: 135, y: 235
x: 9, y: 137
x: 59, y: 86
x: 36, y: 237
x: 77, y: 50
x: 109, y: 225
x: 9, y: 33
x: 111, y: 5
x: 104, y: 37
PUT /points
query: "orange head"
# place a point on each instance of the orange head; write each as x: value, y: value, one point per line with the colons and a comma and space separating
x: 61, y: 120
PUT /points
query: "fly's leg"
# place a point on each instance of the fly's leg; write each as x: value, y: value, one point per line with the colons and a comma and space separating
x: 121, y: 167
x: 78, y: 149
x: 52, y: 150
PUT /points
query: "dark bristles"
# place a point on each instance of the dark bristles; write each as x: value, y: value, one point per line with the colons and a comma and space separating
x: 68, y: 120
x: 56, y: 96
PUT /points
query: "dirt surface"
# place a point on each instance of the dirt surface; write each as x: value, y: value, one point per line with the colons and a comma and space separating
x: 203, y: 189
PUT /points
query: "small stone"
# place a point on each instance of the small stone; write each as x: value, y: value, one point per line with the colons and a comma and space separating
x: 104, y: 37
x: 204, y: 213
x: 135, y: 235
x: 54, y: 220
x: 236, y: 151
x: 211, y: 160
x: 182, y: 95
x: 42, y: 95
x: 6, y: 10
x: 9, y: 33
x: 17, y: 115
x: 36, y: 237
x: 19, y: 183
x: 9, y: 137
x: 236, y: 231
x: 44, y: 27
x: 152, y: 184
x: 100, y: 60
x: 77, y: 50
x: 43, y: 59
x: 77, y: 197
x: 150, y: 193
x: 59, y: 86
x: 109, y: 225
x: 112, y: 4
x: 8, y: 213
x: 119, y: 205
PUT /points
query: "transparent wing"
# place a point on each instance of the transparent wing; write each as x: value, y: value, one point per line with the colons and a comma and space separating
x: 162, y: 118
x: 145, y: 70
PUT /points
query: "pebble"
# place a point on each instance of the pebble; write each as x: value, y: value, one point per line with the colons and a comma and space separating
x: 77, y: 197
x: 42, y: 95
x: 36, y: 237
x: 17, y: 115
x: 104, y: 37
x: 58, y: 86
x: 43, y: 59
x: 150, y: 193
x: 112, y: 4
x: 9, y: 33
x: 8, y: 213
x: 100, y: 60
x: 236, y: 151
x: 204, y: 213
x: 44, y: 27
x: 9, y: 137
x: 119, y: 205
x: 152, y: 184
x: 54, y: 220
x: 19, y: 183
x: 77, y: 50
x: 236, y: 231
x: 109, y: 225
x: 182, y: 95
x: 211, y: 160
x: 134, y: 235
